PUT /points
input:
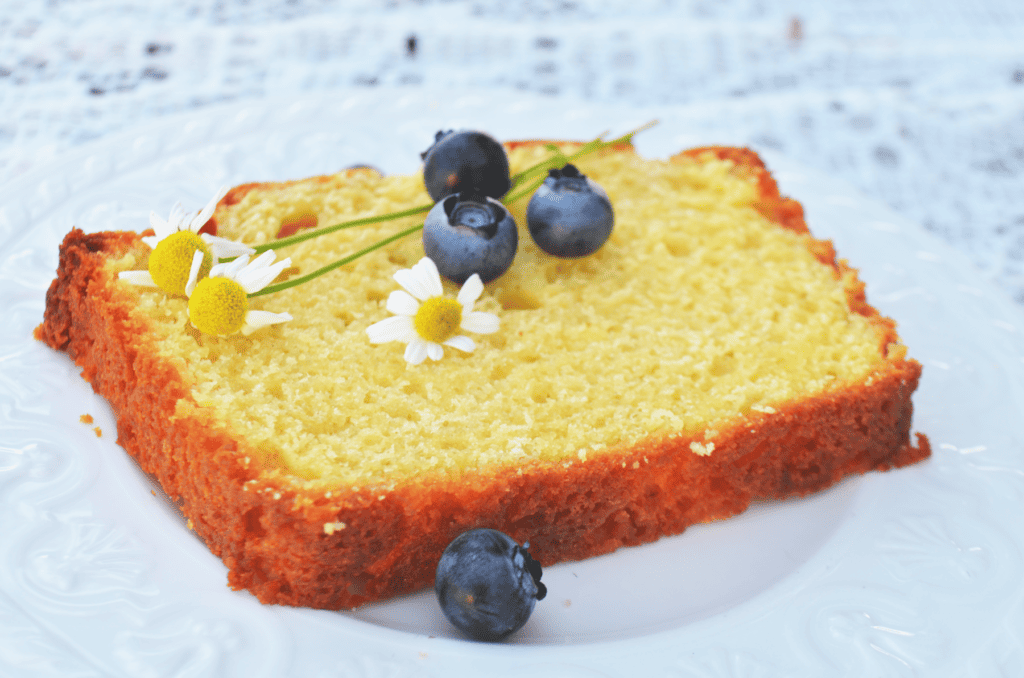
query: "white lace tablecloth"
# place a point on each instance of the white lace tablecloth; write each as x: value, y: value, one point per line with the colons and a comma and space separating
x: 919, y: 103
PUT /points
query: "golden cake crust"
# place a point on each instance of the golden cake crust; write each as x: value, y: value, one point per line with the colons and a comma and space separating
x: 289, y: 544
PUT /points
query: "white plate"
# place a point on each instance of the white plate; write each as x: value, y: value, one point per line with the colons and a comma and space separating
x: 914, y: 572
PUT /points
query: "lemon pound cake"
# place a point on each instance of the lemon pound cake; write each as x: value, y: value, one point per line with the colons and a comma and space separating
x: 710, y: 353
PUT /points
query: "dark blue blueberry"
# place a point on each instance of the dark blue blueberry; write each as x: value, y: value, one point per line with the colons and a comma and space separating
x: 487, y: 584
x: 569, y: 215
x: 467, y: 233
x: 465, y: 160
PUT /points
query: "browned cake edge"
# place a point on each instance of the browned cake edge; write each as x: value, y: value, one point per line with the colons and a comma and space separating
x: 271, y: 534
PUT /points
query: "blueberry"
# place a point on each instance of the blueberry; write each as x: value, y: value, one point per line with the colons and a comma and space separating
x: 468, y: 233
x: 569, y: 215
x: 487, y: 584
x: 465, y: 160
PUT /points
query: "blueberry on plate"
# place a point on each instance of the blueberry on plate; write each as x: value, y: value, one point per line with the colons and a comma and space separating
x: 569, y: 215
x: 468, y: 233
x: 465, y: 160
x: 487, y: 584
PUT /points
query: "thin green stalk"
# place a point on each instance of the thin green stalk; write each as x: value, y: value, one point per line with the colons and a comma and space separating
x: 511, y: 197
x: 270, y: 289
x: 309, y: 235
x: 596, y: 144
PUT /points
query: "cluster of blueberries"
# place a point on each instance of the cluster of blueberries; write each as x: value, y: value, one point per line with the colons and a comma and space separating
x: 470, y: 231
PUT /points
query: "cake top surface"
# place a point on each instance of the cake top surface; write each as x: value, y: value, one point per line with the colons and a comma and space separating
x: 696, y: 311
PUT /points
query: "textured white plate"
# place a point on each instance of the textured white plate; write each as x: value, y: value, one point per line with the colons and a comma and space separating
x: 910, y: 573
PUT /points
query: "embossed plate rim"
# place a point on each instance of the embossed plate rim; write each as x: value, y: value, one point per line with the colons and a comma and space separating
x: 904, y: 614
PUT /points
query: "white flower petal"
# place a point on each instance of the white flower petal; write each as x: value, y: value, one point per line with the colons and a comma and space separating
x: 395, y: 328
x: 416, y: 351
x: 434, y: 350
x: 470, y: 292
x: 422, y: 280
x: 223, y: 248
x: 229, y: 269
x: 255, y: 320
x: 159, y: 226
x: 263, y: 260
x: 401, y: 302
x: 178, y: 219
x: 175, y: 218
x: 461, y: 342
x: 258, y: 275
x: 428, y: 272
x: 142, y: 278
x: 480, y: 322
x: 193, y: 272
x: 199, y: 220
x: 413, y: 283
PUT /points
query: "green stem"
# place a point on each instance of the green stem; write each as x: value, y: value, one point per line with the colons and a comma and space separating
x: 591, y: 146
x: 309, y: 235
x: 337, y: 264
x: 511, y: 197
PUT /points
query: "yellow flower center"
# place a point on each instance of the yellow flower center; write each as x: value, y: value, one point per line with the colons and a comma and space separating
x: 171, y: 261
x: 218, y: 306
x: 438, y: 319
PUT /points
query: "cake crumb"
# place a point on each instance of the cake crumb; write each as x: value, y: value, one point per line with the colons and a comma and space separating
x: 331, y: 528
x: 896, y: 351
x: 98, y: 431
x: 567, y: 603
x: 86, y: 419
x: 702, y: 450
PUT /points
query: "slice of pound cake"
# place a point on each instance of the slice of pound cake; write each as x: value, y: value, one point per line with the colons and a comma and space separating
x: 711, y: 352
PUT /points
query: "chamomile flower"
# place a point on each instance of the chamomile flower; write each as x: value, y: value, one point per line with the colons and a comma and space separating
x: 426, y: 320
x: 219, y: 303
x: 175, y: 241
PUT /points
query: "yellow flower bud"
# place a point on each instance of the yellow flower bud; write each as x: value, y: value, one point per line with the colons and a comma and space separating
x: 438, y: 319
x: 171, y: 261
x: 218, y: 306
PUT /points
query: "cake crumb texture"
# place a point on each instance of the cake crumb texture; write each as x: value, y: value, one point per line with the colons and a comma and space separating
x: 711, y: 353
x: 698, y: 309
